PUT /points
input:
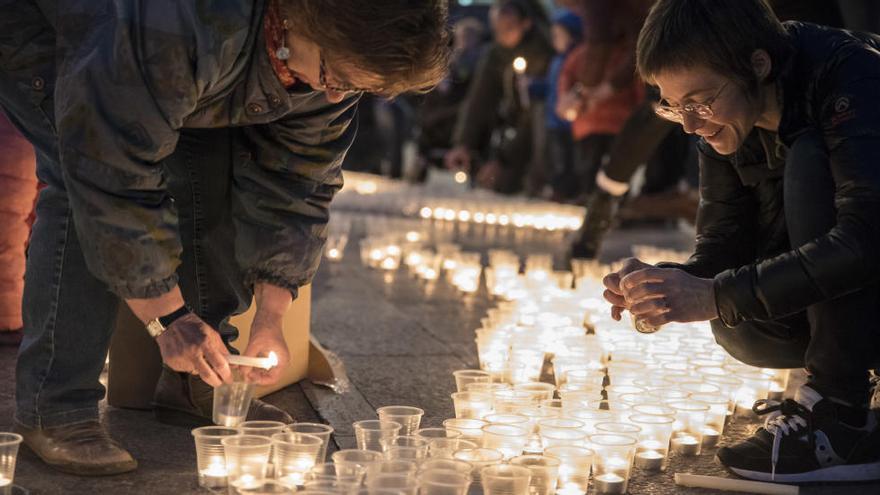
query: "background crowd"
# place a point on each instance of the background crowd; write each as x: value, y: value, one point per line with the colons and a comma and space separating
x: 573, y: 124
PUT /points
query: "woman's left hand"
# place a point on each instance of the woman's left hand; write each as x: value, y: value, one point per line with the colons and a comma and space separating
x: 662, y: 295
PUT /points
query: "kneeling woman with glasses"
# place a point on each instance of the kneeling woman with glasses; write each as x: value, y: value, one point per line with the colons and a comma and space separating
x: 789, y: 218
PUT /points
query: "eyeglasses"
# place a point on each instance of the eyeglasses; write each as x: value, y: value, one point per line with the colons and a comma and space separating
x: 322, y: 79
x: 700, y: 110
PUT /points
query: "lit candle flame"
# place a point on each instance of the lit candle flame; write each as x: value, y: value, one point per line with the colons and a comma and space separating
x: 520, y: 65
x: 272, y: 359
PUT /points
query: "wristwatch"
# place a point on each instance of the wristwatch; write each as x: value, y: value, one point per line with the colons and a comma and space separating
x: 158, y: 326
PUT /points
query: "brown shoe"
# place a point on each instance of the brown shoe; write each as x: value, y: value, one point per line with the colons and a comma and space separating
x: 83, y: 449
x: 185, y: 400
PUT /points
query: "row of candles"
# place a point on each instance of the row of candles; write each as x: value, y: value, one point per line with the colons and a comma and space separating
x: 591, y: 426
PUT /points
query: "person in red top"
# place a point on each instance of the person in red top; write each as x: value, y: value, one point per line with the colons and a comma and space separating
x: 18, y: 189
x: 598, y: 89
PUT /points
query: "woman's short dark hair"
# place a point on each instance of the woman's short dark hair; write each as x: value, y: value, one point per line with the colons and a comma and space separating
x: 406, y: 43
x: 718, y: 34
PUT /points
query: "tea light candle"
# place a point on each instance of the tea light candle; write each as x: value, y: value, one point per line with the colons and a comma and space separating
x: 610, y: 483
x: 334, y: 254
x: 686, y: 445
x: 649, y: 460
x: 710, y: 436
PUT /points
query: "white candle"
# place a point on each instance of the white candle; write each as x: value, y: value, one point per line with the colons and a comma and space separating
x: 735, y: 485
x: 254, y: 362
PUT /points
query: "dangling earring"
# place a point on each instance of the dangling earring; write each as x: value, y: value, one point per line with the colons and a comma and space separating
x: 283, y: 53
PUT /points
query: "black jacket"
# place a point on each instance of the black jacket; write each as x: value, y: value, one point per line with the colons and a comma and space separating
x: 829, y: 85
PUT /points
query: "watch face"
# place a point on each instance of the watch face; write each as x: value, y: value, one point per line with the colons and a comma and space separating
x: 155, y: 328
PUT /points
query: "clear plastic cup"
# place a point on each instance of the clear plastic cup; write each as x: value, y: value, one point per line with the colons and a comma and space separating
x: 443, y: 448
x: 329, y: 471
x: 9, y: 444
x: 463, y: 378
x: 479, y: 458
x: 574, y: 468
x: 505, y: 479
x: 544, y: 470
x: 352, y: 461
x: 408, y: 417
x: 247, y: 457
x: 443, y: 482
x: 470, y: 429
x: 266, y: 487
x: 320, y: 430
x: 472, y: 405
x: 294, y: 455
x: 653, y: 448
x: 261, y: 428
x: 510, y: 440
x: 371, y: 433
x: 403, y: 484
x: 231, y: 403
x: 447, y: 465
x: 210, y: 456
x: 612, y: 463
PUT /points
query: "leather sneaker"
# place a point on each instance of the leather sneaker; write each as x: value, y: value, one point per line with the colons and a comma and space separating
x: 83, y: 449
x: 186, y: 400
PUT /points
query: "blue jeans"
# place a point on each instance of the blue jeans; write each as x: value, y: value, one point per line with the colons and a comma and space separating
x: 69, y: 315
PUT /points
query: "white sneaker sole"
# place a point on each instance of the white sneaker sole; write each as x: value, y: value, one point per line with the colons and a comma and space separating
x: 843, y: 473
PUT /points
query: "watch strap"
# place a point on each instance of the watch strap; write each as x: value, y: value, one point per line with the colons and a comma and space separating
x: 170, y: 318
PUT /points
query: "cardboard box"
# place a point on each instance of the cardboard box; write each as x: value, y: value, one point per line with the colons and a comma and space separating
x: 135, y: 361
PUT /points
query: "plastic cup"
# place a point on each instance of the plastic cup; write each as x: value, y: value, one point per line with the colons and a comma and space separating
x: 261, y: 428
x: 319, y: 430
x: 447, y: 465
x: 350, y: 462
x: 479, y: 458
x: 231, y: 403
x: 403, y: 484
x: 406, y: 448
x: 430, y: 434
x: 443, y: 482
x: 687, y: 431
x: 398, y: 466
x: 329, y: 471
x: 574, y: 468
x: 210, y: 456
x: 408, y: 417
x: 266, y: 487
x: 544, y: 471
x: 463, y: 378
x: 507, y: 419
x: 443, y: 448
x: 472, y: 405
x: 510, y: 440
x: 335, y: 487
x: 470, y: 429
x: 505, y: 479
x: 371, y: 433
x: 612, y: 463
x: 247, y: 457
x: 294, y: 455
x: 653, y: 447
x: 716, y: 416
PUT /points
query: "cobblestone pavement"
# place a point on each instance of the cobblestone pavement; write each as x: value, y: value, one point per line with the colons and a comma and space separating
x: 400, y: 341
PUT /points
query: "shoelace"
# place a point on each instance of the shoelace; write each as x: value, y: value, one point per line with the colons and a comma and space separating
x: 789, y: 416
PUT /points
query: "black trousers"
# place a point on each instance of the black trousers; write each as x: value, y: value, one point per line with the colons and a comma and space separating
x: 837, y: 340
